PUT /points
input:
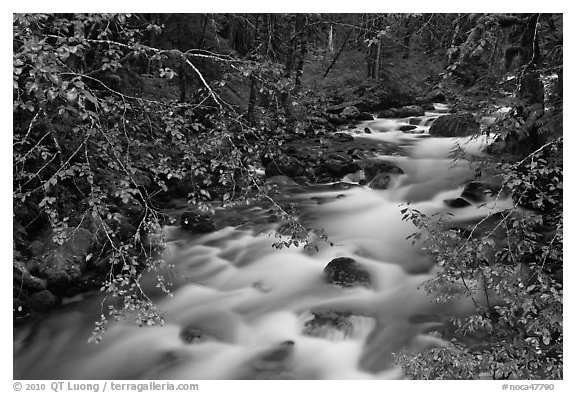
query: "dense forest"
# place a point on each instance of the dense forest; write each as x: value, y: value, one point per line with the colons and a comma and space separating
x: 117, y: 115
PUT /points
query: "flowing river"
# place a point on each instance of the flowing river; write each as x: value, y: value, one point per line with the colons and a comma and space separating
x: 244, y: 310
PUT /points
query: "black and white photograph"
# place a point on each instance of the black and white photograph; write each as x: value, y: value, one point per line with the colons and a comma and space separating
x: 227, y: 196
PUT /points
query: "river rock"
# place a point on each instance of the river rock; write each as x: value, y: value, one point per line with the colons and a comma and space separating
x: 284, y: 165
x: 335, y: 166
x: 351, y: 112
x: 336, y: 120
x: 343, y: 137
x: 196, y: 223
x: 347, y: 273
x: 380, y: 181
x: 365, y: 116
x: 388, y: 113
x: 457, y: 203
x: 410, y: 110
x: 367, y: 130
x: 434, y: 97
x: 456, y: 125
x: 28, y: 280
x: 42, y: 301
x: 479, y: 191
x: 275, y: 363
x: 64, y: 263
x: 407, y: 128
x: 373, y: 168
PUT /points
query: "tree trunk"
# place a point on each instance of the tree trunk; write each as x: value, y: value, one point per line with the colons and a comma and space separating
x: 203, y: 36
x: 182, y: 66
x: 531, y: 90
x: 253, y: 83
x: 371, y: 60
x: 182, y: 76
x: 300, y: 25
x: 252, y: 100
x: 331, y: 39
x: 339, y: 53
x: 377, y: 63
x: 407, y: 34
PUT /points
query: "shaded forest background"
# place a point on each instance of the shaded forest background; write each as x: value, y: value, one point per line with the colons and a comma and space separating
x: 115, y: 115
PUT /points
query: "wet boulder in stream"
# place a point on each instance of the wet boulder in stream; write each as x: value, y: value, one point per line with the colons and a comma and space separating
x: 374, y: 168
x: 347, y: 272
x: 352, y: 113
x: 480, y: 191
x: 380, y: 182
x: 334, y: 166
x: 24, y: 279
x: 388, y: 113
x: 405, y: 128
x: 455, y: 125
x: 457, y: 203
x: 343, y: 137
x: 410, y: 110
x: 475, y: 192
x: 405, y: 111
x: 43, y: 300
x: 275, y: 363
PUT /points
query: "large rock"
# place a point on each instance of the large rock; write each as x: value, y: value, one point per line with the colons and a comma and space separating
x: 410, y: 110
x: 374, y: 168
x: 336, y: 120
x: 65, y: 260
x: 405, y: 111
x: 336, y: 166
x: 347, y: 273
x: 461, y: 124
x: 26, y: 279
x: 388, y: 113
x: 457, y: 203
x: 343, y: 137
x: 350, y: 112
x: 284, y: 165
x: 196, y: 223
x: 406, y: 128
x: 380, y: 181
x: 275, y: 363
x: 434, y: 97
x: 339, y: 108
x: 363, y: 116
x: 42, y: 301
x: 480, y: 191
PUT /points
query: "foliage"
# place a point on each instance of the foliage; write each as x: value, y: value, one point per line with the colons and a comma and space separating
x: 510, y: 264
x: 91, y: 151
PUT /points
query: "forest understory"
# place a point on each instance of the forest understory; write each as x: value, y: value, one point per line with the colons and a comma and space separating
x: 124, y: 124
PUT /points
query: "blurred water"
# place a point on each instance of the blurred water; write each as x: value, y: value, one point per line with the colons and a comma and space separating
x: 254, y: 304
